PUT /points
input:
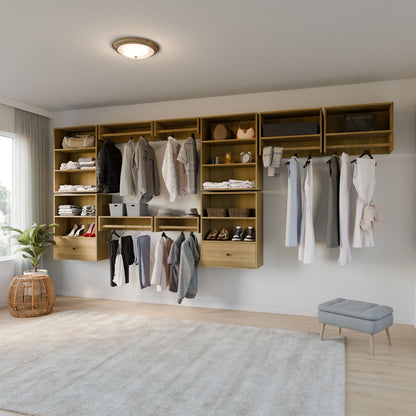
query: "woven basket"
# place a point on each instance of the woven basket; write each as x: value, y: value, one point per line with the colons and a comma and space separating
x: 239, y: 212
x: 31, y: 295
x: 216, y: 212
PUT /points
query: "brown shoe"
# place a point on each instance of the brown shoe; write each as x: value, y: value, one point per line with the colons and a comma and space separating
x: 224, y: 235
x: 212, y: 235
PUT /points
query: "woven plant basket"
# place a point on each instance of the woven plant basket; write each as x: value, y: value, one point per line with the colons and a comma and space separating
x: 31, y: 295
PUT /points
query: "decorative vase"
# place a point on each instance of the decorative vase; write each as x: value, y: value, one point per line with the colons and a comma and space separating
x: 31, y: 294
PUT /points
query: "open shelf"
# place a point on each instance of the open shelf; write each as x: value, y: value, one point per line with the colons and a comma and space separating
x: 77, y: 150
x: 181, y: 128
x: 74, y: 170
x: 125, y: 223
x: 228, y: 142
x: 228, y: 165
x: 186, y: 223
x: 123, y: 132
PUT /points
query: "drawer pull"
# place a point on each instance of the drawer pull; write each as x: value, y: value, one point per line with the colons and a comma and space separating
x: 73, y: 248
x: 228, y: 254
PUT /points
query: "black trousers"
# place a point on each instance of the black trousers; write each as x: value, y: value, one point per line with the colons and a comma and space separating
x: 127, y: 253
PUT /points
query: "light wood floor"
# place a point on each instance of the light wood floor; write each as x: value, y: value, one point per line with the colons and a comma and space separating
x: 383, y: 385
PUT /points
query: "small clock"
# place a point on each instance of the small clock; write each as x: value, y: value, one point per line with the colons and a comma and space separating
x: 246, y: 157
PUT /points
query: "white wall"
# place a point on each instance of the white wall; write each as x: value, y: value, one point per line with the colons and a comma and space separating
x: 384, y: 274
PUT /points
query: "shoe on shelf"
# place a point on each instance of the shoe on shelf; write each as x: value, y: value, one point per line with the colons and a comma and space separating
x: 91, y: 231
x: 72, y: 232
x: 212, y: 235
x: 238, y: 234
x: 250, y: 235
x: 80, y: 231
x: 223, y: 235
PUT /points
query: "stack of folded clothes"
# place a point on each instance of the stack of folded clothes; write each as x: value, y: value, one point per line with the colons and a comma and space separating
x: 86, y: 162
x: 70, y: 165
x: 232, y: 184
x: 76, y: 188
x: 69, y: 210
x: 215, y: 185
x: 88, y: 211
x: 235, y: 183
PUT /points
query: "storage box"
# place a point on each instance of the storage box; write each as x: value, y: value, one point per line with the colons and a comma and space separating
x: 290, y: 129
x: 137, y: 210
x: 360, y: 122
x: 117, y: 210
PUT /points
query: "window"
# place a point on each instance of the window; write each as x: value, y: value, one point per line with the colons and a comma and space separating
x: 6, y: 160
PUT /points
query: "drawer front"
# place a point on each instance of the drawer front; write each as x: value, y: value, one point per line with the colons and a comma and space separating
x: 75, y: 248
x: 228, y: 254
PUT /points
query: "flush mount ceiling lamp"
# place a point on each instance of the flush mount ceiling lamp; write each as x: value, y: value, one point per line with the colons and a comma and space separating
x: 136, y: 48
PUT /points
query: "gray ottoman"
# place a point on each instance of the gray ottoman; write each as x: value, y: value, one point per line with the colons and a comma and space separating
x: 354, y: 314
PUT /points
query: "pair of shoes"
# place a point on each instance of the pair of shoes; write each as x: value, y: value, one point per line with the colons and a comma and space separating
x: 238, y: 234
x: 91, y: 231
x: 212, y: 235
x: 223, y: 235
x: 76, y: 232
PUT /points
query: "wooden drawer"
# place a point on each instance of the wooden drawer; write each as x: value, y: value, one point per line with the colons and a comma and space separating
x: 236, y: 254
x: 75, y: 248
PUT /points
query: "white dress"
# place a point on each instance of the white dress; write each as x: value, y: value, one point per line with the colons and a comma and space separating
x: 127, y: 186
x: 307, y: 252
x: 294, y: 203
x: 344, y: 211
x: 366, y: 214
x: 159, y: 271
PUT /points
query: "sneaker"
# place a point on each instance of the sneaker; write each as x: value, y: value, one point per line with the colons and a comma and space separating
x: 212, y: 235
x: 223, y: 235
x: 238, y: 235
x: 251, y: 235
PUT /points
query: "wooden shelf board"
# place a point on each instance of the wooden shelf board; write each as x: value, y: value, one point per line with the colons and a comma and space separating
x: 227, y: 241
x: 75, y: 193
x: 229, y: 218
x: 297, y: 137
x: 77, y: 150
x: 228, y: 165
x: 297, y: 148
x: 228, y: 142
x: 76, y: 216
x: 351, y: 146
x: 125, y: 227
x: 177, y: 130
x: 176, y: 227
x: 125, y: 216
x: 126, y: 133
x: 230, y: 189
x: 74, y: 170
x: 371, y: 133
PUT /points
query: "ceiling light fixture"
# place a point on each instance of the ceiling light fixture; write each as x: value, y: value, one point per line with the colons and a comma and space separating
x: 136, y: 48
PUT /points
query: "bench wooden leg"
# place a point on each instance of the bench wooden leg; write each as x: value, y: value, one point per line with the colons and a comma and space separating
x: 388, y: 336
x: 339, y: 331
x: 372, y: 344
x: 322, y: 331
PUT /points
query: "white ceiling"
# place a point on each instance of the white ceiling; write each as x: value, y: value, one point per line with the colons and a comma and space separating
x: 57, y: 55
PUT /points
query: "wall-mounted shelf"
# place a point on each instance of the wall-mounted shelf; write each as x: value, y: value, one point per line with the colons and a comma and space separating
x: 123, y: 132
x: 297, y: 131
x: 378, y: 139
x: 181, y: 128
x: 186, y: 223
x: 125, y: 223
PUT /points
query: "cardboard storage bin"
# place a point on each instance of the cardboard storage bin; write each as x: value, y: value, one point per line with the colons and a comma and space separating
x: 117, y: 210
x: 137, y: 210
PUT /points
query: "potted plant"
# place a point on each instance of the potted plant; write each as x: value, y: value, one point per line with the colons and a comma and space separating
x: 32, y: 294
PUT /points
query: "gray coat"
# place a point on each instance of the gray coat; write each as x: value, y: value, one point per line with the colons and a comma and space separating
x: 147, y: 180
x: 187, y: 277
x: 188, y: 155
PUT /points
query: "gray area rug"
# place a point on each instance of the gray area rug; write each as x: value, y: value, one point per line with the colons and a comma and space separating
x: 82, y: 363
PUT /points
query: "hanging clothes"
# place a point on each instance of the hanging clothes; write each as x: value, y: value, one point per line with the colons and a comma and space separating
x: 173, y: 171
x: 128, y: 170
x: 188, y: 155
x: 272, y: 156
x: 160, y: 267
x: 121, y: 257
x: 147, y: 178
x: 307, y: 252
x: 174, y: 261
x: 294, y: 203
x: 166, y: 250
x: 344, y: 211
x: 142, y: 259
x: 366, y: 214
x: 332, y: 231
x: 108, y: 168
x: 187, y: 277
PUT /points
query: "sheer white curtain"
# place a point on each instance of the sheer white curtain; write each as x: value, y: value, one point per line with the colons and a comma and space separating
x: 30, y: 192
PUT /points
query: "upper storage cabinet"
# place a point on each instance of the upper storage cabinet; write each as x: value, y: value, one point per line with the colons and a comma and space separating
x: 180, y: 128
x: 122, y: 132
x: 221, y: 159
x: 356, y: 128
x: 297, y: 131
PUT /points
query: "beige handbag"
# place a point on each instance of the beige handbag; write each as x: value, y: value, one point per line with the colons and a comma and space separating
x: 248, y: 133
x: 77, y: 142
x: 222, y: 132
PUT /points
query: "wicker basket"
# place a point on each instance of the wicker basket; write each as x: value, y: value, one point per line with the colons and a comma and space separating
x: 31, y: 295
x: 240, y: 212
x: 216, y: 212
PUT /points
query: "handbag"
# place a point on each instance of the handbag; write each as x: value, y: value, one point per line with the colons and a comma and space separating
x: 222, y: 132
x: 248, y: 133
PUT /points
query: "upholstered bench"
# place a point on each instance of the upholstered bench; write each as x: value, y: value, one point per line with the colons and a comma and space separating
x: 354, y: 314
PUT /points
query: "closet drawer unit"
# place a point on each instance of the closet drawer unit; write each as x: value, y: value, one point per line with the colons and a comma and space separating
x: 234, y: 254
x: 75, y: 248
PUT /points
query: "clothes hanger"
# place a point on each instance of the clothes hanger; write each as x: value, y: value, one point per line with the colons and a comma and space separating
x: 113, y: 232
x: 365, y: 153
x: 164, y: 234
x: 295, y: 155
x: 193, y: 135
x: 308, y: 160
